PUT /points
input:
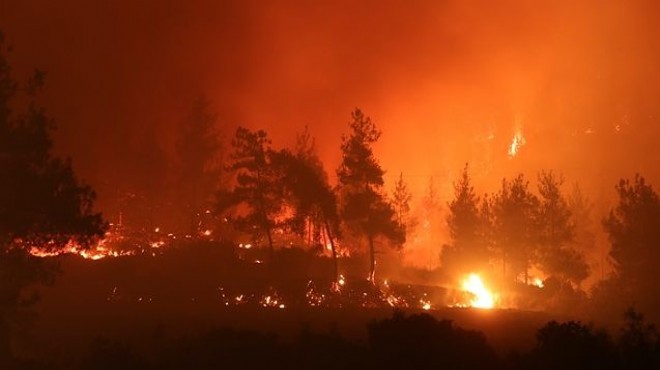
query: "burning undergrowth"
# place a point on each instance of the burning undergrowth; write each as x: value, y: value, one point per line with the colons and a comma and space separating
x: 185, y: 272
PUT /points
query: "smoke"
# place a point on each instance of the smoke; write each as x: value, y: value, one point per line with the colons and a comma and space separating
x: 448, y: 82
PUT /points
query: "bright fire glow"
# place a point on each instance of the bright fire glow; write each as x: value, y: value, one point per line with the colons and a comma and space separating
x: 483, y: 298
x: 517, y: 142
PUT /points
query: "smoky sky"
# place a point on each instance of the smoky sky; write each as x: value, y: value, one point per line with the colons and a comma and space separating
x: 448, y: 82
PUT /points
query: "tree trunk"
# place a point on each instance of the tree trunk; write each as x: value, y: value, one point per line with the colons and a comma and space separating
x: 271, y: 250
x: 334, y: 251
x: 372, y: 265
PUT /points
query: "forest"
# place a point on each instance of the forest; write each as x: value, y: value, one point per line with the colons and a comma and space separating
x: 226, y: 249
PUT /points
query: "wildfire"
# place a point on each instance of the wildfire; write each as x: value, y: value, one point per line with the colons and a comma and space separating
x: 273, y: 301
x: 537, y: 282
x: 95, y: 252
x: 483, y: 298
x: 517, y: 142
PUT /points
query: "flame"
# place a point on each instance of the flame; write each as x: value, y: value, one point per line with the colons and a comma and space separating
x: 272, y: 301
x: 537, y: 282
x: 483, y: 298
x: 517, y: 142
x: 95, y: 252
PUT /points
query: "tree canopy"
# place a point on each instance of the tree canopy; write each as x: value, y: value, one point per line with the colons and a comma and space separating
x: 468, y: 250
x: 632, y: 228
x: 255, y: 200
x: 42, y: 203
x: 364, y: 208
x: 41, y: 200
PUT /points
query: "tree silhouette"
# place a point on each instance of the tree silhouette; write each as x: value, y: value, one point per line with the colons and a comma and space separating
x: 313, y: 202
x: 572, y: 345
x: 146, y: 171
x: 401, y: 198
x: 581, y: 208
x: 639, y: 342
x: 198, y: 151
x: 468, y: 250
x: 364, y: 209
x: 422, y: 342
x: 632, y: 228
x: 555, y: 254
x: 429, y: 232
x: 256, y: 198
x: 42, y: 203
x: 514, y: 210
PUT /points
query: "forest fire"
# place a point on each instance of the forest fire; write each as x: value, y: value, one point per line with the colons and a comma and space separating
x: 113, y: 244
x: 497, y: 179
x: 517, y: 142
x: 100, y: 249
x: 481, y: 296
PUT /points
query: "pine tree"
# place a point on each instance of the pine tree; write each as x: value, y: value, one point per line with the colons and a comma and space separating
x: 514, y: 210
x: 42, y: 203
x: 198, y: 150
x: 365, y: 211
x: 256, y: 198
x: 401, y: 202
x: 468, y: 249
x: 556, y: 255
x: 632, y: 228
x: 308, y: 193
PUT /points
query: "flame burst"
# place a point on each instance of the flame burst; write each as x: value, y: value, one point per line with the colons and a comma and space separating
x: 517, y: 142
x: 483, y: 298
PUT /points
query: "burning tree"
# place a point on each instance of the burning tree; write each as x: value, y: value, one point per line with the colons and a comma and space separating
x: 41, y: 200
x: 256, y: 198
x: 469, y: 249
x: 313, y: 201
x: 364, y: 209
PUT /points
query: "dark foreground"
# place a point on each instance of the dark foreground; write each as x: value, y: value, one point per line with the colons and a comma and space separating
x: 244, y: 338
x: 153, y: 313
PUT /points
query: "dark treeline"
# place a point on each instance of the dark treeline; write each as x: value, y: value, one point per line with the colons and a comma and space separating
x: 416, y: 342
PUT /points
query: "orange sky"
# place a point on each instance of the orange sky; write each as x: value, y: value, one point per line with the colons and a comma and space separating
x: 448, y: 82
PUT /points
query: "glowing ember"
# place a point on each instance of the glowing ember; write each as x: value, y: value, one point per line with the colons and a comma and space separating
x: 395, y: 301
x: 426, y: 305
x: 314, y: 298
x: 273, y: 301
x: 157, y: 244
x: 483, y: 298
